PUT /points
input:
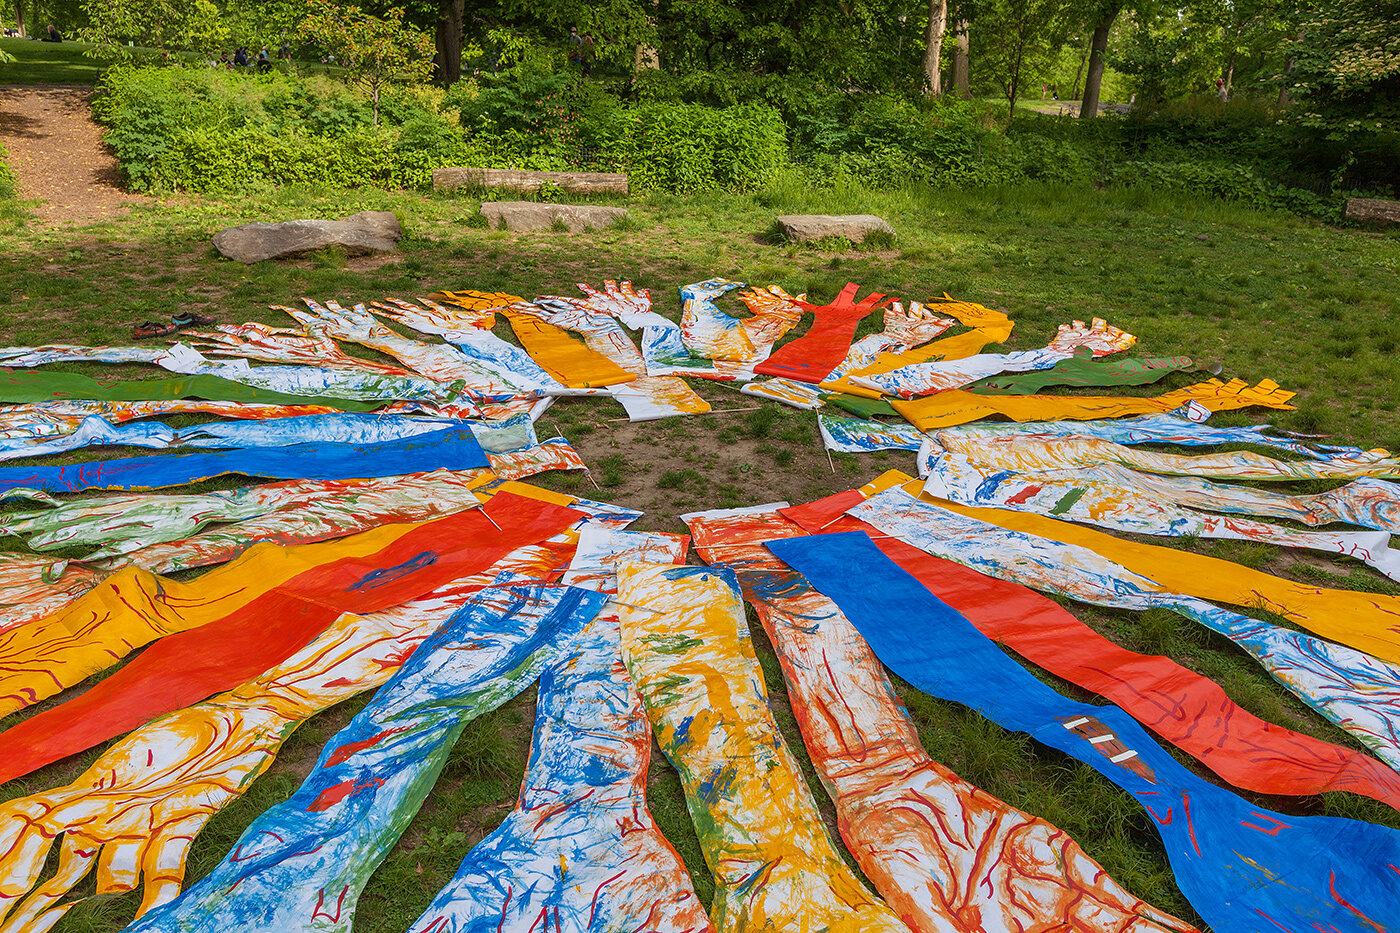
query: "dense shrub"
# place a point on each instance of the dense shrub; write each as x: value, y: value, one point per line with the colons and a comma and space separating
x: 211, y: 130
x: 7, y: 177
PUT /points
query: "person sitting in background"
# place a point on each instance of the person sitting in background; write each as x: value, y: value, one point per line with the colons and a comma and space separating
x: 264, y: 61
x: 240, y: 57
x: 224, y: 61
x: 53, y: 35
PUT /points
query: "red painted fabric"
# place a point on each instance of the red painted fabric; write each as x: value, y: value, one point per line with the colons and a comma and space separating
x: 812, y: 357
x: 1181, y: 706
x: 186, y: 667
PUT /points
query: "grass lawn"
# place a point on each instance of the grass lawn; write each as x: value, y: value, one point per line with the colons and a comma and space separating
x: 66, y: 62
x: 1266, y: 295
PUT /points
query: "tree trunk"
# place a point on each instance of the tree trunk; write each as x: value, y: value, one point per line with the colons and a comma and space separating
x: 933, y: 46
x: 1079, y: 73
x: 1229, y: 77
x: 1015, y: 81
x: 19, y: 17
x: 451, y: 15
x: 960, y: 72
x: 1283, y: 98
x: 1098, y: 52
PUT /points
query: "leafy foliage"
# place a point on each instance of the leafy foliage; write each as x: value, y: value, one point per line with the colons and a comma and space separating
x: 373, y: 51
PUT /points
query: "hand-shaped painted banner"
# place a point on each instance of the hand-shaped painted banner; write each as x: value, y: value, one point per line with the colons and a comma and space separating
x: 1237, y: 863
x: 302, y: 864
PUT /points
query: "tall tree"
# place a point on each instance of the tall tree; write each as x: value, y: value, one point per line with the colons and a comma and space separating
x: 1018, y: 35
x: 374, y: 52
x: 451, y: 24
x: 961, y: 77
x: 1098, y: 57
x: 933, y: 46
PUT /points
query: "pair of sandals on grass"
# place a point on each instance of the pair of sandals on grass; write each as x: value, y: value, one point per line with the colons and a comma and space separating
x: 177, y: 322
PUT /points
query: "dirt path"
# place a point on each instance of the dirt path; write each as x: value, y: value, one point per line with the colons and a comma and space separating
x: 57, y: 154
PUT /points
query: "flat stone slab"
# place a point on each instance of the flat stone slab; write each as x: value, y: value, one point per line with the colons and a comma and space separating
x: 854, y: 227
x: 533, y: 215
x: 359, y: 235
x: 1375, y: 210
x: 450, y: 177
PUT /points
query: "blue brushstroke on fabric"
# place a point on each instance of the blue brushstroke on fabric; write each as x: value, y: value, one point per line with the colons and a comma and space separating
x: 302, y: 864
x: 447, y: 449
x: 1237, y: 863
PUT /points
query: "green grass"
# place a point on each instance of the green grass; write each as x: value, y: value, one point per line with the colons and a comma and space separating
x: 52, y: 62
x: 1267, y: 295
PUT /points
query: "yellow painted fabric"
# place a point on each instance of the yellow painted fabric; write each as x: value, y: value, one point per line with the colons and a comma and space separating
x: 687, y: 647
x: 134, y: 607
x: 1369, y: 622
x: 482, y: 302
x: 988, y: 326
x: 958, y: 406
x: 563, y: 357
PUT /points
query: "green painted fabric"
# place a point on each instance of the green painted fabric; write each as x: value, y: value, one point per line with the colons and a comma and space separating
x: 1082, y: 371
x: 864, y: 407
x: 32, y: 386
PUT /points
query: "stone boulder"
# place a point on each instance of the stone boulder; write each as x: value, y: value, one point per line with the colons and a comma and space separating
x: 533, y: 215
x: 359, y: 235
x: 1373, y: 210
x: 449, y: 177
x: 802, y: 228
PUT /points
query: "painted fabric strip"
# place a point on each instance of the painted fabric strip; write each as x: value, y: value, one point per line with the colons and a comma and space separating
x: 447, y: 449
x: 1125, y: 500
x: 302, y: 864
x: 1052, y: 456
x: 440, y: 362
x: 158, y: 531
x: 1356, y: 691
x: 566, y: 359
x: 812, y: 357
x: 946, y: 855
x: 554, y: 454
x: 470, y: 332
x: 32, y: 587
x: 1237, y: 864
x: 1099, y: 339
x: 135, y: 812
x: 1182, y: 707
x: 987, y: 327
x: 958, y: 406
x: 687, y: 648
x: 284, y: 345
x: 133, y: 608
x: 23, y: 387
x: 1168, y: 428
x: 196, y: 661
x: 722, y: 346
x: 862, y: 407
x: 338, y: 428
x: 858, y: 435
x: 580, y: 851
x: 1081, y: 371
x: 904, y: 328
x: 794, y: 394
x: 596, y: 318
x: 50, y: 419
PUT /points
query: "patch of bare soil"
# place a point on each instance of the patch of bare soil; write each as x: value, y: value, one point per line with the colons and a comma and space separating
x: 57, y: 154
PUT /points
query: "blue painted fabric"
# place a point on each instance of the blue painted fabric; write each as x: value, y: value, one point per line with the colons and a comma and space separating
x: 302, y: 865
x: 1243, y: 867
x: 445, y: 449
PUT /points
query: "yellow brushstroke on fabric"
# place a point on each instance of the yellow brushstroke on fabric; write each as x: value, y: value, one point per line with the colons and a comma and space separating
x: 958, y: 406
x: 134, y: 607
x: 487, y: 485
x: 566, y: 359
x: 472, y: 300
x: 988, y: 327
x: 1369, y: 622
x: 687, y: 648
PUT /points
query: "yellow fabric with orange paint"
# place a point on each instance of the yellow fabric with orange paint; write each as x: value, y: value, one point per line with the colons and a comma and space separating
x: 988, y: 327
x: 134, y: 607
x: 688, y: 650
x: 958, y: 406
x: 563, y: 357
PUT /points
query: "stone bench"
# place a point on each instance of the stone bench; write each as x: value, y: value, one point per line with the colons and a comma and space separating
x: 1374, y: 210
x: 447, y: 178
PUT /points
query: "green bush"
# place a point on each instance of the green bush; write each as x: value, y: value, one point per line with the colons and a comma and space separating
x: 202, y: 129
x: 7, y: 176
x: 691, y: 147
x: 1226, y: 181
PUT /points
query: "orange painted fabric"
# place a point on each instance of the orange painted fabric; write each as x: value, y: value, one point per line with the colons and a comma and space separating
x: 812, y: 357
x: 988, y: 326
x: 563, y: 357
x: 958, y: 406
x: 947, y: 856
x: 1188, y: 710
x: 265, y: 630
